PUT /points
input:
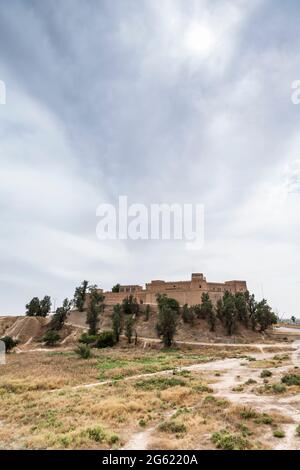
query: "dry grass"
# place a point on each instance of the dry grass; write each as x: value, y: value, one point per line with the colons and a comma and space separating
x: 99, y: 417
x: 67, y: 418
x: 270, y: 363
x: 52, y: 370
x: 106, y: 416
x: 212, y: 416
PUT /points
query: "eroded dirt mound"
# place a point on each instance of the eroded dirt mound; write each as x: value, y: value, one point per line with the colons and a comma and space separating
x: 27, y: 328
x: 30, y: 330
x: 5, y: 324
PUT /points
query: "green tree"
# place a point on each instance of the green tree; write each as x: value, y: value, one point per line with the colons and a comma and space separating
x: 38, y: 308
x: 130, y: 305
x: 117, y: 322
x: 241, y: 307
x: 129, y: 328
x: 80, y: 296
x: 9, y: 343
x: 60, y: 315
x: 188, y: 314
x: 219, y: 310
x: 251, y: 308
x: 293, y: 319
x: 264, y: 315
x: 95, y: 307
x: 230, y: 314
x: 116, y: 288
x: 168, y: 311
x: 206, y: 305
x: 33, y: 307
x: 45, y: 306
x: 208, y: 311
x: 51, y: 338
x: 197, y: 310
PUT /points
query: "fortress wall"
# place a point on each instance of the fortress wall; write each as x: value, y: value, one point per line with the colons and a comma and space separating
x: 185, y: 292
x: 113, y: 298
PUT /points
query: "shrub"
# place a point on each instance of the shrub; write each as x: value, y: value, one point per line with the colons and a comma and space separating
x: 265, y: 373
x: 281, y: 357
x: 250, y: 382
x: 298, y: 429
x: 84, y: 351
x: 114, y: 438
x: 244, y: 430
x: 51, y: 338
x: 9, y: 342
x: 105, y: 340
x: 87, y: 339
x: 239, y: 388
x: 279, y: 433
x: 202, y: 388
x: 226, y: 441
x: 248, y: 413
x: 209, y: 399
x: 172, y: 426
x: 278, y: 388
x: 159, y: 383
x: 264, y: 419
x: 291, y: 379
x: 97, y: 434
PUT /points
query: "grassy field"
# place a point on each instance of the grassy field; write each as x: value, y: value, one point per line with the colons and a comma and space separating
x: 41, y: 405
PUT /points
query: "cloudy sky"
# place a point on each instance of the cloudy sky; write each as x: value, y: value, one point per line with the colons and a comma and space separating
x: 165, y: 101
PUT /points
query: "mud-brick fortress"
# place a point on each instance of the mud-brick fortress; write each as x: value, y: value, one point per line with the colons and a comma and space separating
x: 185, y: 292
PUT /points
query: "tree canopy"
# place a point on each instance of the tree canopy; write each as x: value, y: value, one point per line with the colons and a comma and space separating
x: 38, y: 308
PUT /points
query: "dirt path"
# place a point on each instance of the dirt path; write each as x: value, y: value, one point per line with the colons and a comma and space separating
x: 234, y: 374
x: 140, y: 440
x: 259, y: 346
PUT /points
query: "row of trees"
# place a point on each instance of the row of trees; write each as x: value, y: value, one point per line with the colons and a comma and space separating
x: 204, y: 310
x: 122, y: 321
x: 42, y: 307
x: 242, y: 307
x: 229, y: 311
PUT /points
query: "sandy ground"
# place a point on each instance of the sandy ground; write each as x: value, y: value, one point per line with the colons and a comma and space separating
x: 233, y: 374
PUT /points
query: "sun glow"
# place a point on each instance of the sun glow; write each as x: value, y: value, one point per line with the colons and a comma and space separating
x: 200, y: 39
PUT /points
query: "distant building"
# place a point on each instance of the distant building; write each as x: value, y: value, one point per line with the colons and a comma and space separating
x: 185, y: 292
